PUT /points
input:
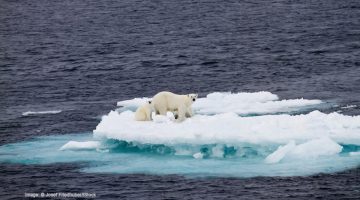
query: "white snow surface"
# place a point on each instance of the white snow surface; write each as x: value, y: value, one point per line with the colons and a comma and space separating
x: 230, y: 128
x: 241, y: 103
x: 248, y: 103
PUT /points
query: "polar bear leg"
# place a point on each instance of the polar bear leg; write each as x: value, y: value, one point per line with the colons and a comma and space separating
x: 189, y: 112
x: 175, y: 113
x: 161, y: 111
x: 148, y: 115
x: 181, y: 113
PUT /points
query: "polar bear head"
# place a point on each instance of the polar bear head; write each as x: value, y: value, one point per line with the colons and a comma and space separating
x: 192, y: 97
x: 150, y: 105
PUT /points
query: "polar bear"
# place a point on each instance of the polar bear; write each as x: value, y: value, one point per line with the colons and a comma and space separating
x: 143, y: 113
x: 180, y: 104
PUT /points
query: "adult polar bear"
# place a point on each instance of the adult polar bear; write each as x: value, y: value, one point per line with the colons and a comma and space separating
x: 168, y: 101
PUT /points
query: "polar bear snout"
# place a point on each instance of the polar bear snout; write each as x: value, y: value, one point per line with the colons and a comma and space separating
x: 193, y: 97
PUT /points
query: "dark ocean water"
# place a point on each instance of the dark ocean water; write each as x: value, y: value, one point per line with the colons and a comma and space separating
x: 82, y: 57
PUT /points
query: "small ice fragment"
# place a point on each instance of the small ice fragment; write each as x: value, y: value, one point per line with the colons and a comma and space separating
x: 41, y: 112
x: 198, y: 155
x: 74, y: 145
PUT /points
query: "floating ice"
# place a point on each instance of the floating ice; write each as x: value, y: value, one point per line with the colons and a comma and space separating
x: 41, y: 112
x: 228, y: 136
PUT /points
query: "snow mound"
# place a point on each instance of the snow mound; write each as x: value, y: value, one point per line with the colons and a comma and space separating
x: 229, y: 128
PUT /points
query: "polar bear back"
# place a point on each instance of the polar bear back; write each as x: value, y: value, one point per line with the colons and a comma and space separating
x: 170, y: 101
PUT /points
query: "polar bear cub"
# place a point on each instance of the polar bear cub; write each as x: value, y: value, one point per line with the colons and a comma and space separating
x: 143, y: 113
x: 168, y: 101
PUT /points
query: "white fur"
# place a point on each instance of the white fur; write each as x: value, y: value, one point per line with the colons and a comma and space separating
x: 143, y: 113
x: 168, y: 101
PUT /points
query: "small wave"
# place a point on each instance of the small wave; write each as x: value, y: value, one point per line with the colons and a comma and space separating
x: 41, y: 112
x: 349, y: 106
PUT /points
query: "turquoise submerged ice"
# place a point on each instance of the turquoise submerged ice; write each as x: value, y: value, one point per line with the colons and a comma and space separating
x: 218, y: 141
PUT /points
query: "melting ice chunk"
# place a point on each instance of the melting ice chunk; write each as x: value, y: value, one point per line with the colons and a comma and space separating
x: 311, y: 149
x: 280, y: 153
